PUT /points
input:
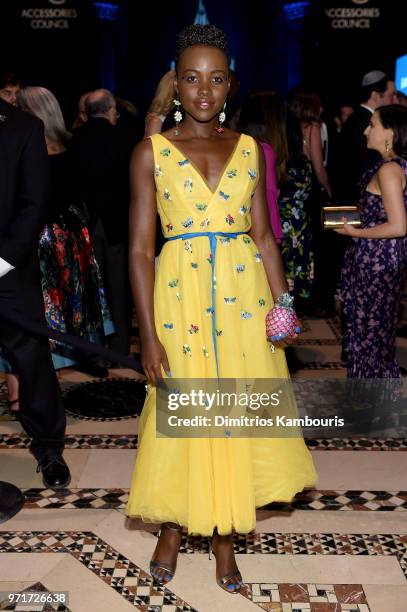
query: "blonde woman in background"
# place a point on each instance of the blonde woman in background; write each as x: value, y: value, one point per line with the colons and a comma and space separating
x: 73, y: 294
x: 161, y: 105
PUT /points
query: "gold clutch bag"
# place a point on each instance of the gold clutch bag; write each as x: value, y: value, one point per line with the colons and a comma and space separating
x: 332, y: 216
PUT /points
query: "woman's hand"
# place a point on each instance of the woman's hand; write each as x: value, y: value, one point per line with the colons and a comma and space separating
x: 284, y: 340
x: 154, y: 359
x: 347, y: 229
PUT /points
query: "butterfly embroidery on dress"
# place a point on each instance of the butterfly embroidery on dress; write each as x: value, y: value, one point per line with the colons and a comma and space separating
x: 183, y: 162
x: 188, y: 184
x: 188, y: 223
x: 224, y: 195
x: 245, y: 315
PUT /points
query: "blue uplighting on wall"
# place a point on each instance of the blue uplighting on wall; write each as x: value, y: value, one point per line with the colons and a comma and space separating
x: 401, y: 74
x: 107, y: 11
x: 201, y: 16
x: 296, y: 10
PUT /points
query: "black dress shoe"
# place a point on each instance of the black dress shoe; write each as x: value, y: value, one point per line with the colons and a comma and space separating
x: 11, y: 501
x: 55, y: 472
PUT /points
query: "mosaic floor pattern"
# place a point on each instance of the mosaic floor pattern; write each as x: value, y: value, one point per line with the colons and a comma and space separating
x: 339, y: 548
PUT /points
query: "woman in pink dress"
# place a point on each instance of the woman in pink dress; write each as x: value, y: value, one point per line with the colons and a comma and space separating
x: 255, y: 120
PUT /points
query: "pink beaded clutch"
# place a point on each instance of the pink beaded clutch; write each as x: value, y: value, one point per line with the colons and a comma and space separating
x: 281, y: 321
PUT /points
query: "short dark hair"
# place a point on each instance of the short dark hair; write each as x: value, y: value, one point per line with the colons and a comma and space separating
x: 394, y: 117
x: 208, y: 35
x: 367, y: 90
x: 101, y: 104
x: 8, y: 78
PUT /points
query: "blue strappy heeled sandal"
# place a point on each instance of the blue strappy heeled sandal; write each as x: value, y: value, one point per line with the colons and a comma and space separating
x: 231, y: 583
x: 155, y: 566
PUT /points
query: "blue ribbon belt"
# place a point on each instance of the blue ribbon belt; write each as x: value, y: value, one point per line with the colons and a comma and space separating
x: 213, y: 244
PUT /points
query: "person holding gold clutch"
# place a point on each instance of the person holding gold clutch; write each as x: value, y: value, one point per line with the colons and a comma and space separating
x: 376, y: 260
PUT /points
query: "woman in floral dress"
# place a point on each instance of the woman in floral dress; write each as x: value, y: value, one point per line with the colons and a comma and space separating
x: 376, y: 261
x: 295, y: 189
x: 73, y: 293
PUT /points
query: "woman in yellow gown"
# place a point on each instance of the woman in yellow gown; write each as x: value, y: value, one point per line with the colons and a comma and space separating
x: 203, y: 316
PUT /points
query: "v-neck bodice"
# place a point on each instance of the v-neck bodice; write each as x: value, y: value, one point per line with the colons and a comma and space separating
x: 186, y: 202
x: 198, y: 171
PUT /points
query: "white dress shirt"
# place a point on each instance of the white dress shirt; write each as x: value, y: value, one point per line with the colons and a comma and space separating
x: 5, y: 267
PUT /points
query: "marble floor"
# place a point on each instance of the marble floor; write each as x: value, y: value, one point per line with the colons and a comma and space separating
x: 340, y: 547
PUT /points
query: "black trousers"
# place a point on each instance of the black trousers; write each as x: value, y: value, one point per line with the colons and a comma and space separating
x: 41, y: 408
x: 113, y: 264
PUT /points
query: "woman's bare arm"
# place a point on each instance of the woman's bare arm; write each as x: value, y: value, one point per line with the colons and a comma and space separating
x: 391, y: 182
x: 154, y: 125
x: 142, y: 224
x: 316, y: 154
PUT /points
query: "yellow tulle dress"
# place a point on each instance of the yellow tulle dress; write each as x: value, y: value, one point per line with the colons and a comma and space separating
x: 203, y: 483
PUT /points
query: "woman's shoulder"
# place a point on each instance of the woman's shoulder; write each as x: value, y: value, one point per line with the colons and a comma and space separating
x: 143, y: 152
x: 392, y: 169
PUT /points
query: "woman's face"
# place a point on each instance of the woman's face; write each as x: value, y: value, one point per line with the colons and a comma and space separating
x: 202, y: 81
x: 378, y: 138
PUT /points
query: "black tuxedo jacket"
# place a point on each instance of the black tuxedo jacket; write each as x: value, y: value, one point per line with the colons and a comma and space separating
x: 100, y: 157
x: 23, y: 184
x: 353, y: 157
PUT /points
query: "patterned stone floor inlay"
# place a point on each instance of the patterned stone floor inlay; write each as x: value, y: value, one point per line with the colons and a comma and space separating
x: 115, y: 441
x: 323, y: 365
x: 358, y: 444
x: 312, y: 597
x: 311, y: 544
x: 82, y: 441
x: 38, y: 587
x: 105, y: 499
x: 317, y: 342
x: 118, y: 572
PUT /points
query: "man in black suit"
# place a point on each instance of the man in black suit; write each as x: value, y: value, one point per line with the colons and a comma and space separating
x: 23, y: 202
x: 353, y: 158
x: 101, y: 155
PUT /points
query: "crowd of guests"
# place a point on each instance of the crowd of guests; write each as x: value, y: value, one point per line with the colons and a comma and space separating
x: 285, y: 160
x: 313, y: 158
